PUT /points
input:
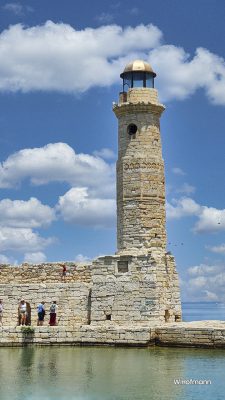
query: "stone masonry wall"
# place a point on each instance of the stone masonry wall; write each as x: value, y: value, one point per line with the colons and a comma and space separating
x: 36, y: 283
x: 95, y: 292
x: 47, y: 273
x: 146, y: 292
x: 207, y: 334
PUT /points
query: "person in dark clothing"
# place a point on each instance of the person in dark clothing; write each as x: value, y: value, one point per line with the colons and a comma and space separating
x: 41, y: 313
x: 64, y: 272
x: 53, y: 309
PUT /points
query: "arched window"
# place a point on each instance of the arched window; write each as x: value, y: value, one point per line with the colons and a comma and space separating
x: 132, y: 129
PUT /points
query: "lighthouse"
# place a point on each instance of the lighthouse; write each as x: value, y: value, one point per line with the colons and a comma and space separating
x: 140, y: 166
x: 139, y: 283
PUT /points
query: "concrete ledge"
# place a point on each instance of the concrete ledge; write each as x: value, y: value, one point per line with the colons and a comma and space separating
x: 205, y: 334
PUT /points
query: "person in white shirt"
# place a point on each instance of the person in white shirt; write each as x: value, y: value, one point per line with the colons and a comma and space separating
x: 53, y: 310
x: 22, y: 312
x: 1, y: 311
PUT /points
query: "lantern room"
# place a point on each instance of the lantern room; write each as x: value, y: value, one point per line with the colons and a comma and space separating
x: 138, y: 74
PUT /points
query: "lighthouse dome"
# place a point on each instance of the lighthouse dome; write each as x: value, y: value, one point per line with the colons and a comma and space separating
x: 138, y: 73
x: 138, y: 66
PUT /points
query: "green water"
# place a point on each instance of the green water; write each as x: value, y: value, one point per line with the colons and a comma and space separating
x: 103, y: 373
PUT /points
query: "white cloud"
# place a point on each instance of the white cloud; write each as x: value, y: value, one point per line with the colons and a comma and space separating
x: 105, y: 153
x: 58, y: 162
x: 17, y: 8
x: 181, y: 76
x: 4, y: 259
x: 27, y: 55
x: 55, y: 56
x: 76, y: 206
x: 207, y: 283
x: 92, y: 204
x: 17, y: 217
x: 35, y: 258
x: 186, y: 188
x: 178, y: 171
x: 81, y: 258
x: 210, y: 219
x: 7, y: 260
x: 182, y: 208
x: 210, y: 296
x: 217, y: 249
x: 198, y: 282
x: 104, y: 18
x: 22, y: 240
x: 203, y: 269
x: 25, y: 214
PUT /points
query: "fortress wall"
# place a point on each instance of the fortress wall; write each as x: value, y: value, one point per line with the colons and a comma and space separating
x: 72, y: 300
x: 125, y: 297
x: 104, y: 292
x: 47, y: 273
x: 36, y: 283
x: 140, y: 295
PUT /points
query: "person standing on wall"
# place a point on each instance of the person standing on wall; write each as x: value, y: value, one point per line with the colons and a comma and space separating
x: 1, y: 311
x: 53, y: 309
x: 41, y: 313
x: 64, y: 272
x: 22, y: 309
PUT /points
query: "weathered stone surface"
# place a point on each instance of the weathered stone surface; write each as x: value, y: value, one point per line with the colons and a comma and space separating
x: 140, y: 173
x: 141, y: 294
x: 208, y: 334
x: 27, y: 282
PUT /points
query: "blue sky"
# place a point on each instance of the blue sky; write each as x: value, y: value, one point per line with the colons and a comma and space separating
x: 59, y: 74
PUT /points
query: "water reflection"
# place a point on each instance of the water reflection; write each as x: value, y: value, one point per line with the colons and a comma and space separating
x: 90, y: 373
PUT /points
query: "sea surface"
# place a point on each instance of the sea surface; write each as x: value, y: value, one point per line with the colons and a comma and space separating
x: 108, y: 373
x: 203, y: 311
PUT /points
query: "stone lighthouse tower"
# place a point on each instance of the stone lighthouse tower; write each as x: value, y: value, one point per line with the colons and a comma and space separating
x: 139, y: 284
x: 140, y: 167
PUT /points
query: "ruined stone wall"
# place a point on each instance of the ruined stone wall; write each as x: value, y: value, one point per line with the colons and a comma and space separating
x: 36, y: 283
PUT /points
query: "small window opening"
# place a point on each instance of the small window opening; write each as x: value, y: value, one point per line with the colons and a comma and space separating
x: 108, y: 317
x: 167, y: 315
x: 177, y: 318
x: 122, y: 266
x: 132, y: 129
